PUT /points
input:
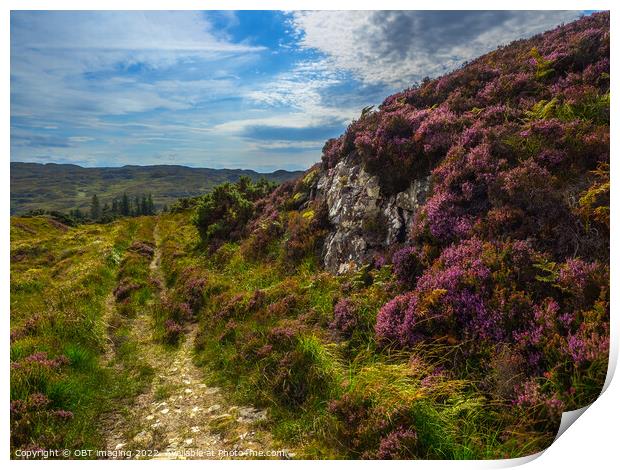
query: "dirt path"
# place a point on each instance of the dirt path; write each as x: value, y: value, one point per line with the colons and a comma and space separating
x: 179, y: 415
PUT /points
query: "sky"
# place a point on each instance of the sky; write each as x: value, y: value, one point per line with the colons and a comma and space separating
x: 226, y: 89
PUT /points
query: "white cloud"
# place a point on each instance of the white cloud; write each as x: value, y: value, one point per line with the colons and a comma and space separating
x: 302, y: 88
x: 400, y: 47
x: 56, y: 56
x: 157, y: 31
x: 297, y: 98
x: 298, y: 120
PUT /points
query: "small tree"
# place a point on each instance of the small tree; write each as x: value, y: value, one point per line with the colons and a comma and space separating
x: 95, y: 209
x: 144, y: 210
x: 244, y: 183
x: 125, y: 209
x: 150, y: 206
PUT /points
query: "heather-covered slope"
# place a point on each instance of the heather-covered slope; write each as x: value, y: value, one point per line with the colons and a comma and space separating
x: 511, y: 245
x: 516, y: 145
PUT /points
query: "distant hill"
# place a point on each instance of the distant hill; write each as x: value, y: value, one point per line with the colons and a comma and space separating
x: 63, y: 187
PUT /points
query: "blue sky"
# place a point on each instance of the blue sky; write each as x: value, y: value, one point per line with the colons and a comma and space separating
x: 260, y: 90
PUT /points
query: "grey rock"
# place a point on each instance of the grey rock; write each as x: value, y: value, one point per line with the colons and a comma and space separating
x: 363, y: 220
x: 250, y: 415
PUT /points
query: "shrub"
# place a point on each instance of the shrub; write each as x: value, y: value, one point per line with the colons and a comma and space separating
x: 331, y: 153
x: 305, y: 232
x: 345, y: 317
x: 33, y: 416
x: 370, y: 431
x: 28, y: 327
x: 232, y: 308
x: 397, y: 445
x: 385, y: 142
x: 143, y: 248
x: 283, y: 307
x: 124, y: 289
x: 407, y: 266
x: 391, y: 318
x: 191, y: 287
x: 172, y: 331
x: 223, y: 213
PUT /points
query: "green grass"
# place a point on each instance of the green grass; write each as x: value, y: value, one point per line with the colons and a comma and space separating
x: 264, y: 336
x: 164, y: 391
x: 314, y: 367
x: 60, y: 280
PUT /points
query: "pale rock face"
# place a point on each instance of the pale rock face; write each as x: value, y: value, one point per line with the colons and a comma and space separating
x: 363, y: 220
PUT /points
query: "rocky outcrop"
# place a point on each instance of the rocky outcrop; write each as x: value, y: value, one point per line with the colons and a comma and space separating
x: 363, y: 220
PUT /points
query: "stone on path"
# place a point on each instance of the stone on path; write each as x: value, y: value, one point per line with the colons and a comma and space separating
x: 143, y: 438
x: 249, y: 414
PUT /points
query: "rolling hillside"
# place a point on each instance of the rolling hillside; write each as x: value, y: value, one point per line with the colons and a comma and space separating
x: 65, y: 187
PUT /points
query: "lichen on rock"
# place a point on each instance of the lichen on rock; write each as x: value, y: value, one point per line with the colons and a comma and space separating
x: 363, y: 219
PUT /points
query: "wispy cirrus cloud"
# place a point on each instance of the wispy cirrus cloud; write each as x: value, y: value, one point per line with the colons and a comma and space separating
x: 109, y: 62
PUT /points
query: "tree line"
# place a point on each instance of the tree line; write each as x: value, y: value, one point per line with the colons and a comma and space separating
x: 124, y: 206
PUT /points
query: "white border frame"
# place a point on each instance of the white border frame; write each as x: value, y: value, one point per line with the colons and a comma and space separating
x: 591, y: 443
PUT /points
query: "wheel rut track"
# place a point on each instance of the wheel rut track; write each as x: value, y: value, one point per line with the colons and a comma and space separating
x: 178, y: 415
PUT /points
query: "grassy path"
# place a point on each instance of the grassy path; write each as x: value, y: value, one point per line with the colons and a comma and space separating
x: 177, y: 415
x: 61, y: 278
